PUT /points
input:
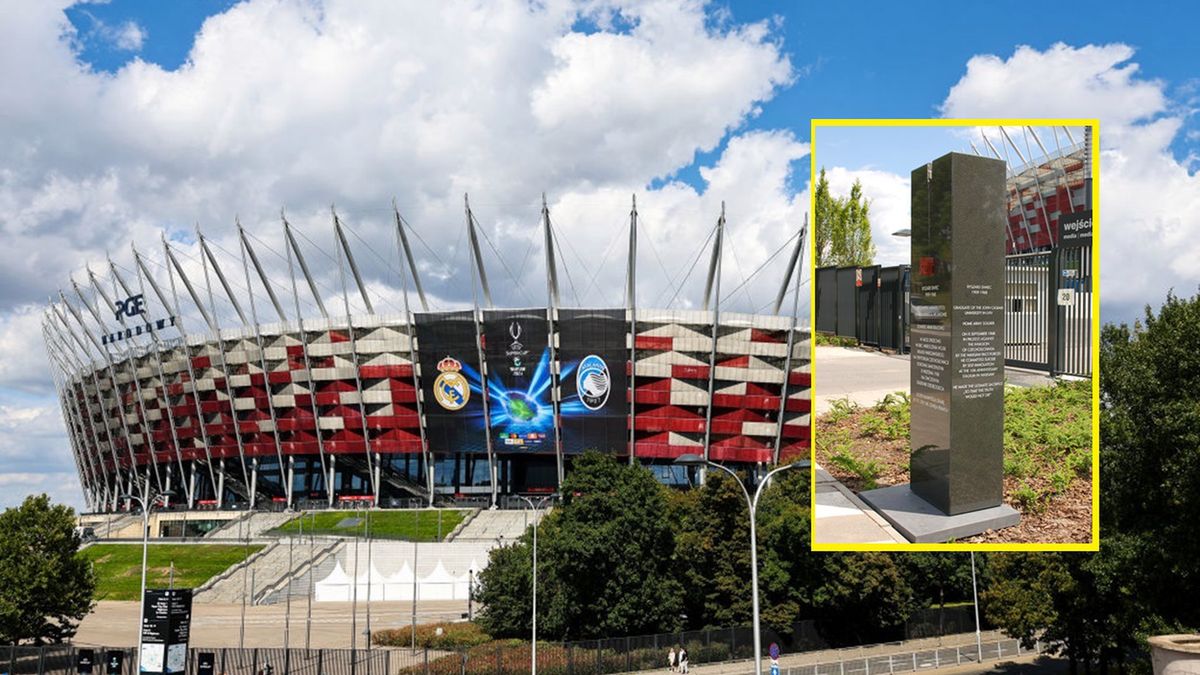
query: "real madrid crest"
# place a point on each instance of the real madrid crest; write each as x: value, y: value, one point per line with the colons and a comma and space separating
x: 450, y: 388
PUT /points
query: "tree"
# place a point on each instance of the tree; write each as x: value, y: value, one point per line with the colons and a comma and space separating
x: 860, y: 596
x: 842, y: 227
x: 605, y: 561
x: 1078, y: 604
x: 714, y: 555
x: 940, y: 577
x: 823, y: 222
x: 45, y: 588
x: 1145, y: 577
x: 503, y: 590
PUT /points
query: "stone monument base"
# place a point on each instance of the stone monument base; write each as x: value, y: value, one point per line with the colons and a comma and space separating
x: 923, y: 523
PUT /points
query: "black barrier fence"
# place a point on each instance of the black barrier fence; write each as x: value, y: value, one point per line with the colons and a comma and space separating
x: 866, y: 304
x: 584, y: 657
x: 1048, y: 311
x: 29, y: 660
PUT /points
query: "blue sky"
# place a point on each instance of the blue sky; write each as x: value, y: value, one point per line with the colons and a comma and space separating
x: 874, y: 59
x: 110, y: 135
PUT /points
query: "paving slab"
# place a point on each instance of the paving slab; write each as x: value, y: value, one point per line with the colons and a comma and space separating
x: 922, y: 523
x: 842, y: 518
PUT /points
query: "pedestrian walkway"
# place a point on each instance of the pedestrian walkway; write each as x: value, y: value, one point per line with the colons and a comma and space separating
x: 842, y: 518
x: 892, y: 657
x: 864, y: 376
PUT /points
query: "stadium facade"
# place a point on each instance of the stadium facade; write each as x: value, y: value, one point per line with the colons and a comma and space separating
x: 1043, y: 188
x: 367, y: 407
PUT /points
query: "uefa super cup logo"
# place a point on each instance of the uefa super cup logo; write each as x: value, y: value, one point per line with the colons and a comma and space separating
x: 593, y: 382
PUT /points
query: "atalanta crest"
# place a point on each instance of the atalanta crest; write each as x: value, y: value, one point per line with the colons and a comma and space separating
x: 592, y: 381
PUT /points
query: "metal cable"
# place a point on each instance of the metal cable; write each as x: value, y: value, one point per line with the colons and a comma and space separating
x: 763, y: 266
x: 695, y: 260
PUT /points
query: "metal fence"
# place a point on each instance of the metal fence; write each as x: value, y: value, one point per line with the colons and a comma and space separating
x: 911, y: 662
x: 584, y: 657
x: 62, y: 660
x: 1047, y: 308
x: 868, y: 304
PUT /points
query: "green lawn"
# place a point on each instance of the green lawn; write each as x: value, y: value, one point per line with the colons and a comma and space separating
x: 421, y: 525
x: 119, y: 566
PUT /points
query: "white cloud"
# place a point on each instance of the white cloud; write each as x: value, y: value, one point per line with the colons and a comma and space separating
x: 24, y: 365
x: 1149, y: 200
x: 126, y: 36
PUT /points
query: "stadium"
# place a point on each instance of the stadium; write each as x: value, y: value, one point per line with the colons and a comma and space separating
x: 1044, y: 188
x: 328, y: 409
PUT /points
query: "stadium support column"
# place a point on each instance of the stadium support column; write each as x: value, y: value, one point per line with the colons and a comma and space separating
x: 1036, y: 182
x: 477, y: 269
x: 293, y: 247
x: 284, y: 476
x: 1087, y: 167
x: 478, y: 259
x: 74, y: 419
x: 791, y: 337
x: 551, y: 316
x: 162, y: 381
x: 205, y: 258
x: 144, y: 278
x: 412, y: 266
x: 714, y: 273
x: 131, y: 368
x: 1016, y: 190
x: 412, y: 351
x: 787, y: 275
x: 631, y: 307
x: 344, y: 249
x: 59, y: 355
x: 87, y: 365
x: 112, y: 378
x: 1062, y: 169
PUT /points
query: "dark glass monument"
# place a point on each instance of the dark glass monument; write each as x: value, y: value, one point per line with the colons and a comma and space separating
x: 957, y: 367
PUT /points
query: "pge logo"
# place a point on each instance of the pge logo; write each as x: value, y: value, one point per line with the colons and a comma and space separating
x: 132, y: 306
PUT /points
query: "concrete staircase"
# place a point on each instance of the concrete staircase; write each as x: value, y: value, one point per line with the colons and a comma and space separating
x: 493, y: 525
x: 253, y: 524
x: 226, y: 587
x: 298, y: 583
x: 259, y: 572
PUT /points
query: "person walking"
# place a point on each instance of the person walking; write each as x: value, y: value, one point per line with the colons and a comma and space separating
x: 671, y: 659
x: 683, y: 660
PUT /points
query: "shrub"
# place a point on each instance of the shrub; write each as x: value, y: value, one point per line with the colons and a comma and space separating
x: 454, y: 635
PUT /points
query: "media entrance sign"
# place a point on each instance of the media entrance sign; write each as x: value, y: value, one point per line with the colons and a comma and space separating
x: 957, y: 367
x: 166, y: 623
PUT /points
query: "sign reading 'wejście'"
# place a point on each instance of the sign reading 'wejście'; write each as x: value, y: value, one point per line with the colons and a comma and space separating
x: 1075, y: 229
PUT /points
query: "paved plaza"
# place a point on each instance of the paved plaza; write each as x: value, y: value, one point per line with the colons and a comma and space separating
x: 112, y: 624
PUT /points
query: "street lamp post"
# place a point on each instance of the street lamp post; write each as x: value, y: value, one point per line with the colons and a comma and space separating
x: 145, y: 504
x: 541, y: 502
x: 752, y: 504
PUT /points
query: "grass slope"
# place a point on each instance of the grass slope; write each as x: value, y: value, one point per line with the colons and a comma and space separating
x: 119, y: 566
x: 420, y: 525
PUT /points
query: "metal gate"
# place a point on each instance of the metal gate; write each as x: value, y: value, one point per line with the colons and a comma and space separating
x: 1048, y: 311
x: 868, y: 306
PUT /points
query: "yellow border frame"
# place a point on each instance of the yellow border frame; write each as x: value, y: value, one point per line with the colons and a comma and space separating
x: 815, y: 383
